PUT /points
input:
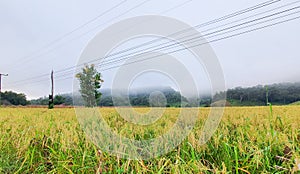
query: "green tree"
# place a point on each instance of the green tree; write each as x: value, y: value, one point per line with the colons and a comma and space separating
x: 58, y: 100
x: 90, y: 83
x: 12, y: 98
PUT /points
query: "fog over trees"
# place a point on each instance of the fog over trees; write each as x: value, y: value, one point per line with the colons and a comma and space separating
x: 277, y: 94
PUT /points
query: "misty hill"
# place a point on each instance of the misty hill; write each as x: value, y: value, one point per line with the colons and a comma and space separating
x: 277, y: 94
x: 154, y: 96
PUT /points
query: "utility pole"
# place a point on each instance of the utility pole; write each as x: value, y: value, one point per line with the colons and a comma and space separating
x: 0, y: 84
x: 51, y: 96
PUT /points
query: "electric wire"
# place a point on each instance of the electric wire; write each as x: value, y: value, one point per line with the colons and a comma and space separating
x: 197, y: 26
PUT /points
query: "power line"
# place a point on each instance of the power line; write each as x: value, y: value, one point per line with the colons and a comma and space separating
x: 185, y: 30
x: 105, y: 63
x: 223, y: 38
x: 197, y: 26
x: 235, y: 34
x: 177, y: 6
x: 215, y: 40
x: 165, y: 11
x: 102, y: 24
x: 211, y: 41
x: 136, y: 6
x: 37, y: 81
x: 70, y: 32
x: 218, y: 26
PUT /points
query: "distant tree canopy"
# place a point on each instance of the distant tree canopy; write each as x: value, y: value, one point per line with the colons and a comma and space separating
x: 12, y: 98
x: 171, y: 98
x: 278, y: 94
x: 65, y: 99
x: 90, y: 83
x: 58, y: 100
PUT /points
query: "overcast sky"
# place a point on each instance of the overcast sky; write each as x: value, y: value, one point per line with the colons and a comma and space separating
x: 263, y: 57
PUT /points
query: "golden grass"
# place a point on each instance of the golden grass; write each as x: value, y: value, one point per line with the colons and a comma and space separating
x: 246, y: 140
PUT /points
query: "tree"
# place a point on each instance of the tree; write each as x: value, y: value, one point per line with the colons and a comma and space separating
x: 13, y: 98
x: 58, y: 100
x: 90, y: 83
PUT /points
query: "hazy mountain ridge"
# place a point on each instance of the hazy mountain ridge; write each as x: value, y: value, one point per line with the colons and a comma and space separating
x: 278, y: 94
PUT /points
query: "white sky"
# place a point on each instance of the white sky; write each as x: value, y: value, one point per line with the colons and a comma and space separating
x: 268, y: 56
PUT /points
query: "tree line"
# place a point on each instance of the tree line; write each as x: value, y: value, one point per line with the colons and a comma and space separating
x: 172, y: 97
x: 12, y: 98
x: 277, y: 94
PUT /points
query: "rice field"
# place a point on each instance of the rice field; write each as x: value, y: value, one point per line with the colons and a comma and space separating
x: 248, y: 140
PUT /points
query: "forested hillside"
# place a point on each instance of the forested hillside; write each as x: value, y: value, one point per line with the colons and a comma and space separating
x: 277, y: 94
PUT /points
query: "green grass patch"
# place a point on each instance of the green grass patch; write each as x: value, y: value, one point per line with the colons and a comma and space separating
x: 295, y: 103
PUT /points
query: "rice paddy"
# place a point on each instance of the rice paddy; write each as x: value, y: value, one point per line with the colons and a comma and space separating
x: 248, y: 140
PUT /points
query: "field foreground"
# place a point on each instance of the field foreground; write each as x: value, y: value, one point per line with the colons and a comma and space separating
x: 248, y: 140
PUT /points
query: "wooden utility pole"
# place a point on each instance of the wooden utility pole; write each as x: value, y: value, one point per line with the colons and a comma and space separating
x: 0, y: 84
x: 51, y: 96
